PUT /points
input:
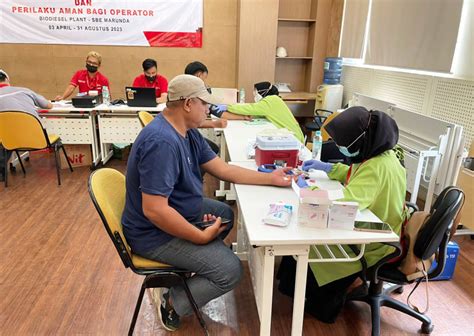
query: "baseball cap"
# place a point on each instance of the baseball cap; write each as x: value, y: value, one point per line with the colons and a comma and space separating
x: 187, y: 86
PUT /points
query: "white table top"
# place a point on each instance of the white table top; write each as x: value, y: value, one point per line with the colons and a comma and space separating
x: 254, y: 200
x: 65, y: 106
x: 238, y: 134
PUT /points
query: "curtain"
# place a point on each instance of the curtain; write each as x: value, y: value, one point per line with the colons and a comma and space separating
x: 417, y: 34
x: 353, y: 28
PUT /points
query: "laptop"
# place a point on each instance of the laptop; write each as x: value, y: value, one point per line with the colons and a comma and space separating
x: 141, y: 97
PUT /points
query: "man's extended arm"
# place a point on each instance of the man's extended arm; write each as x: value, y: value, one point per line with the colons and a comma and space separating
x: 224, y: 171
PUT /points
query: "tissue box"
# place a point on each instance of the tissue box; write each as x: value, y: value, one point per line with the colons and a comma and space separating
x: 342, y: 215
x: 313, y: 212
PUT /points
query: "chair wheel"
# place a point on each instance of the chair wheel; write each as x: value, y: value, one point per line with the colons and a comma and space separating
x: 27, y: 158
x: 399, y: 290
x: 427, y: 328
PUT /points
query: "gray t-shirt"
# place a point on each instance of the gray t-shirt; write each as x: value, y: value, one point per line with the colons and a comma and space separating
x: 14, y: 98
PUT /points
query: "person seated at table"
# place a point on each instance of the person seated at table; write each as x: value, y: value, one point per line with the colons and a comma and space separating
x: 377, y: 181
x: 198, y: 69
x: 13, y: 98
x: 150, y: 78
x: 88, y: 79
x: 269, y: 105
x: 164, y: 197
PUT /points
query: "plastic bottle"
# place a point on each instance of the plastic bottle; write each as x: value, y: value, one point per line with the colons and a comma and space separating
x: 317, y: 145
x: 242, y: 96
x: 105, y: 95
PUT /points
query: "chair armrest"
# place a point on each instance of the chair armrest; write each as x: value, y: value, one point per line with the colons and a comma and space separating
x: 322, y: 110
x: 412, y: 207
x: 375, y: 268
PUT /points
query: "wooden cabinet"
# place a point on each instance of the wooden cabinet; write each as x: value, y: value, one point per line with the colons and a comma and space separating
x: 307, y: 29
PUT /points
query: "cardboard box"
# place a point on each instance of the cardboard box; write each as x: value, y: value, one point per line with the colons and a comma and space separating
x: 78, y: 155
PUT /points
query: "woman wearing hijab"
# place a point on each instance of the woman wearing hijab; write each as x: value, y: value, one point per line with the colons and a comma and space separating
x: 376, y: 180
x: 269, y: 105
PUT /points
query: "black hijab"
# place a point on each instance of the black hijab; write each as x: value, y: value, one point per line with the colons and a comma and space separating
x: 266, y: 89
x: 381, y: 132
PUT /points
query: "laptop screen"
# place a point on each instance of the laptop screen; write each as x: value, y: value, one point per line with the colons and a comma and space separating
x: 139, y: 96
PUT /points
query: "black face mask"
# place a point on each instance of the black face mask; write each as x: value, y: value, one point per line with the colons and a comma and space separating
x: 150, y: 78
x: 91, y: 68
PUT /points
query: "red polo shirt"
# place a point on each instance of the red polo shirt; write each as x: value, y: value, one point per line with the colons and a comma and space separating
x: 160, y: 84
x: 85, y: 83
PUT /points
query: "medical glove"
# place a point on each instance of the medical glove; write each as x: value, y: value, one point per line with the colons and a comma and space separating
x: 317, y: 165
x: 222, y: 107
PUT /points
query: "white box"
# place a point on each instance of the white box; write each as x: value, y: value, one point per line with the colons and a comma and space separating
x: 313, y: 212
x: 342, y: 215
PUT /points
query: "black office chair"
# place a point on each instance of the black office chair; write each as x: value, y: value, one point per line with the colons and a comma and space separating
x: 432, y: 238
x: 320, y: 115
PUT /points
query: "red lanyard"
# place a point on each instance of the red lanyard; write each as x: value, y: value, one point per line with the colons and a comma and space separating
x: 349, y: 172
x: 88, y: 83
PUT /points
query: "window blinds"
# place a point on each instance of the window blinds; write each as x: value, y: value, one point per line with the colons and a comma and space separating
x: 417, y: 34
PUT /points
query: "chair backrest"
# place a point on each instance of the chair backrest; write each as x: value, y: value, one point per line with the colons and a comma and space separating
x: 22, y: 130
x: 107, y: 191
x: 145, y: 118
x: 434, y: 235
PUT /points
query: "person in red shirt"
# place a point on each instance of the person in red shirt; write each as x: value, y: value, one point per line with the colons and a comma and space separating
x: 87, y: 79
x: 151, y: 79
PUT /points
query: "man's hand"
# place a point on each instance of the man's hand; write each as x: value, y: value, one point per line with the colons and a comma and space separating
x: 58, y: 97
x: 211, y: 232
x: 220, y: 123
x: 279, y: 177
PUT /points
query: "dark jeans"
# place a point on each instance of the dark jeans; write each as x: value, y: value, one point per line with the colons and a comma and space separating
x: 218, y: 270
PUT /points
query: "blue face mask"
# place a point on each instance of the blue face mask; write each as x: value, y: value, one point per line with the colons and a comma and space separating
x: 345, y: 150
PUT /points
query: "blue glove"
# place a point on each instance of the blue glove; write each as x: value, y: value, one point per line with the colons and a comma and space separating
x: 222, y: 108
x: 317, y: 165
x: 217, y: 110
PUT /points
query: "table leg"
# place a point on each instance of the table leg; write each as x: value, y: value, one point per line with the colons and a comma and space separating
x: 299, y: 297
x: 96, y: 154
x: 221, y: 192
x: 267, y: 291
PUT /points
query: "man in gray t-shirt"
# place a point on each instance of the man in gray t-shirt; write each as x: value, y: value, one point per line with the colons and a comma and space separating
x: 14, y: 98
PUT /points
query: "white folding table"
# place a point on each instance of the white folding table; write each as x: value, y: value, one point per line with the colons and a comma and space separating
x: 261, y: 243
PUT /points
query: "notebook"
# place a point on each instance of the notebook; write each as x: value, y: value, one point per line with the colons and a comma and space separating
x: 139, y: 96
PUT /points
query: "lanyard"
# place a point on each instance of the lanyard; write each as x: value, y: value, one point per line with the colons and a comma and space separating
x: 88, y: 83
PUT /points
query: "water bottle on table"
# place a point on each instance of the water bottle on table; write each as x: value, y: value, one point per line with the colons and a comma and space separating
x: 242, y: 96
x: 317, y: 145
x: 105, y: 95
